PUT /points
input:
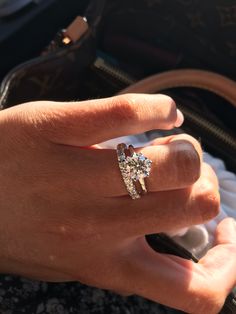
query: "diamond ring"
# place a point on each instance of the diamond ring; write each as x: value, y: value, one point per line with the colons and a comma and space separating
x: 134, y: 168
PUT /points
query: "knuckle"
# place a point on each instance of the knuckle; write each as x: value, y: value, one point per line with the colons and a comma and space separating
x: 209, y: 173
x: 124, y: 108
x: 208, y: 199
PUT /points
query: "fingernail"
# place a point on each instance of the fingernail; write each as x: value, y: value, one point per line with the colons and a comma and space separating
x: 180, y: 119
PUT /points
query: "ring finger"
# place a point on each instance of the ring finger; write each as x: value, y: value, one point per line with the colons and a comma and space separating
x: 175, y: 165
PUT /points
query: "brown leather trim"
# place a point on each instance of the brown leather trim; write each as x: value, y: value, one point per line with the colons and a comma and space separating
x: 77, y: 28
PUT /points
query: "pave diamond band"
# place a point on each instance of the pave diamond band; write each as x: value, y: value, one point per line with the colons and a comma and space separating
x: 130, y: 186
x: 134, y: 168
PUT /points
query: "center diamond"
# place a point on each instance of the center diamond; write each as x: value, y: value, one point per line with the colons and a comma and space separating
x: 138, y: 166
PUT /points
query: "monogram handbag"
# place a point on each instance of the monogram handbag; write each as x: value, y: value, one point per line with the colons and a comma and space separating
x: 185, y: 49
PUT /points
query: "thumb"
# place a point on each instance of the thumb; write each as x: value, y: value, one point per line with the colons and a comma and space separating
x: 226, y: 232
x: 221, y: 259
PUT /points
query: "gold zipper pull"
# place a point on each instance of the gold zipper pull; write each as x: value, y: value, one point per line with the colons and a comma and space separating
x: 75, y: 30
x: 68, y: 36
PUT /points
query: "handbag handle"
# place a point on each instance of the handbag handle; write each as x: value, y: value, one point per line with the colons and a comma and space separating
x: 213, y: 82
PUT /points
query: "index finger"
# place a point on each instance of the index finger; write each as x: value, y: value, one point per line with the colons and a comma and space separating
x: 90, y: 122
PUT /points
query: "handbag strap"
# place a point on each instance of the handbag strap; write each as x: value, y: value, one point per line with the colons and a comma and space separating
x: 213, y: 82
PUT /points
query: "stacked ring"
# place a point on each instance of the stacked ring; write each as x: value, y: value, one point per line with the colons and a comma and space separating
x: 134, y: 168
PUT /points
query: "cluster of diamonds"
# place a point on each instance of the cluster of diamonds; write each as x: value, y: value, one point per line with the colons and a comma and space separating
x: 133, y: 168
x: 138, y: 166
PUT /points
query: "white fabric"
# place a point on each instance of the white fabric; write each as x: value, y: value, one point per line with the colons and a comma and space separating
x: 197, y: 239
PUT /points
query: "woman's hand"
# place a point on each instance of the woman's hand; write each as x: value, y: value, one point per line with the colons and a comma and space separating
x: 65, y: 213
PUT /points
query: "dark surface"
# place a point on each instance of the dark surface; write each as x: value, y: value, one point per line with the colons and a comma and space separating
x: 20, y: 295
